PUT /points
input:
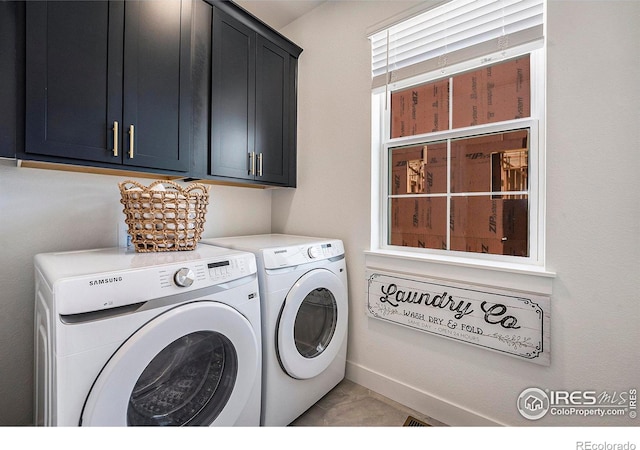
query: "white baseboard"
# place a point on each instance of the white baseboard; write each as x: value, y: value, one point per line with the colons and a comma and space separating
x: 421, y: 401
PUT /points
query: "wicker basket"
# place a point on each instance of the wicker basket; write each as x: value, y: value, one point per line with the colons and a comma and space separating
x: 164, y: 217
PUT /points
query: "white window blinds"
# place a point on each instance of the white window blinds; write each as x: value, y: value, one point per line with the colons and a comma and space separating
x: 453, y: 32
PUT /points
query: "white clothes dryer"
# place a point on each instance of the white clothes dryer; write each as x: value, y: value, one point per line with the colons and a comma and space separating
x: 304, y: 297
x: 149, y: 339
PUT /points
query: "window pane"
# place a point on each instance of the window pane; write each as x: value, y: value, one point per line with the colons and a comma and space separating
x: 420, y: 109
x: 419, y: 169
x: 490, y: 224
x: 490, y: 163
x: 418, y: 222
x: 492, y: 94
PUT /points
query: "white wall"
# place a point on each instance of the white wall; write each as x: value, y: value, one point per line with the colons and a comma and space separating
x: 593, y: 230
x: 593, y: 213
x: 44, y: 211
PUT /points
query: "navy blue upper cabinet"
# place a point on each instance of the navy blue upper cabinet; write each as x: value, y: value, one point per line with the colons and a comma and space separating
x: 9, y: 77
x: 253, y: 100
x: 233, y: 73
x: 109, y: 83
x: 275, y: 114
x: 193, y: 88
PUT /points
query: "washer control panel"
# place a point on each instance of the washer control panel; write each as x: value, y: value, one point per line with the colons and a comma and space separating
x: 205, y: 273
x: 132, y: 284
x: 301, y: 254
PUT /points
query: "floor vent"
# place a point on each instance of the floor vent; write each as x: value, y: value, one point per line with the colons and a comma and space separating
x: 413, y: 422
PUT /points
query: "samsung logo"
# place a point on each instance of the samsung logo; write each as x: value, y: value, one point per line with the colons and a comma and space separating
x: 280, y: 251
x: 105, y: 281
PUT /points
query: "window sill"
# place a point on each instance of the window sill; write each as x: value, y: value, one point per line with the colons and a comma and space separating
x: 525, y: 278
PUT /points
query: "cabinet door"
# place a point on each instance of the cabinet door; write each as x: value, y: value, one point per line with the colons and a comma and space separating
x: 157, y: 84
x: 73, y: 78
x: 9, y: 78
x: 233, y: 97
x: 273, y: 112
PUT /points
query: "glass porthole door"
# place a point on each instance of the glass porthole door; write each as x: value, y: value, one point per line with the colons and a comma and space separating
x: 188, y: 383
x: 195, y: 364
x: 312, y: 326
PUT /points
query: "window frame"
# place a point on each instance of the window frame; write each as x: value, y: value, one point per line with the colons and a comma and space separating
x: 382, y: 143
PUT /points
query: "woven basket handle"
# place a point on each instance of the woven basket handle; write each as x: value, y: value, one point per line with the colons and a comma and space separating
x: 194, y: 186
x: 124, y: 188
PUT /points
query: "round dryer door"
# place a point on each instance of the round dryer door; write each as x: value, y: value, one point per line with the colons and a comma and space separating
x: 313, y: 324
x: 195, y: 364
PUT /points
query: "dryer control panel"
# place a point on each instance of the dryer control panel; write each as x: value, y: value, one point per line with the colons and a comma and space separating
x: 295, y: 255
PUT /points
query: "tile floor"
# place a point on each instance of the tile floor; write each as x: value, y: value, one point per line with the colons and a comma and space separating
x: 352, y: 405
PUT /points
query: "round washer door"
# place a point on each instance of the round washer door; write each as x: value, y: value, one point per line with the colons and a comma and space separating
x: 195, y: 364
x: 313, y: 324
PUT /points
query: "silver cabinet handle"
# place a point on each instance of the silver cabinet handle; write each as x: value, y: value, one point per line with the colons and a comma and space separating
x: 131, y: 139
x: 259, y: 164
x: 252, y: 163
x: 115, y: 138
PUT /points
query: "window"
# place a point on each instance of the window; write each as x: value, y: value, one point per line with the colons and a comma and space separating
x: 458, y: 127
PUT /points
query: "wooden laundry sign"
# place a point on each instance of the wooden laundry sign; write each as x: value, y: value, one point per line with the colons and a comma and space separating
x: 512, y: 323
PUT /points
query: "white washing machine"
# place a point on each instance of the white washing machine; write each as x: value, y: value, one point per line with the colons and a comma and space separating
x: 303, y: 290
x: 127, y: 339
